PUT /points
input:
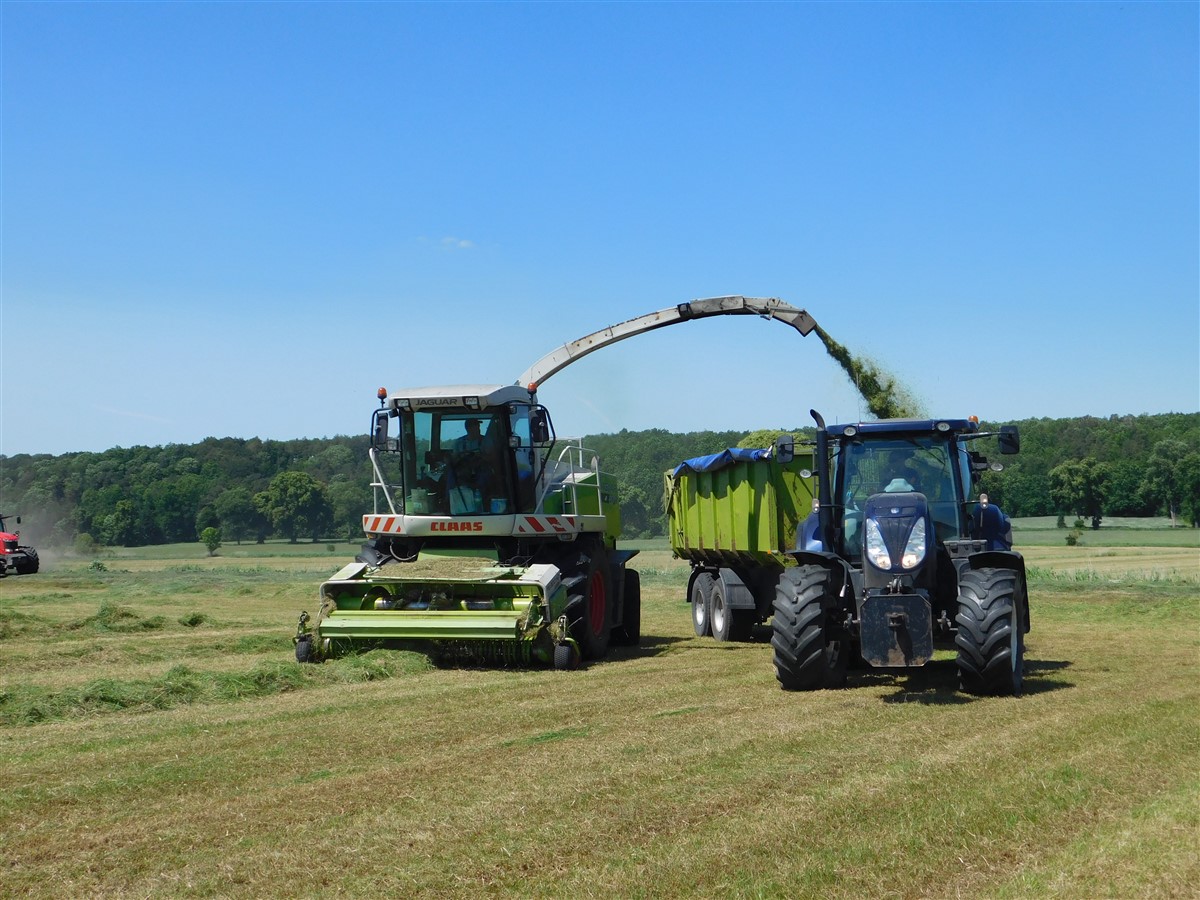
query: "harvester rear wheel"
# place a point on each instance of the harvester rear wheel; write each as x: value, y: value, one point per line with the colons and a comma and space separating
x: 702, y: 586
x: 592, y: 629
x: 630, y: 632
x: 807, y: 656
x: 990, y: 638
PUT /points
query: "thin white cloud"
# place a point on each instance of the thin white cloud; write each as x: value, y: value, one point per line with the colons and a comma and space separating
x: 453, y: 243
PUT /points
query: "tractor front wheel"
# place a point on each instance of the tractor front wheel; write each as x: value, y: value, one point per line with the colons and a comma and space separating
x: 990, y: 636
x: 807, y: 656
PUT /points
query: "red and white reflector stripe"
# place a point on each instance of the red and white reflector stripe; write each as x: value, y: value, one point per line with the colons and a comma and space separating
x: 546, y: 525
x: 383, y: 524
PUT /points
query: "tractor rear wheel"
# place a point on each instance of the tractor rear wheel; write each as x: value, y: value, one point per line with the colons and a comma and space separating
x: 807, y: 656
x: 32, y: 562
x: 702, y: 586
x: 591, y: 630
x: 990, y: 636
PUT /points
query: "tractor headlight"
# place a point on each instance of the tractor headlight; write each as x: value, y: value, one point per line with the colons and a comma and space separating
x: 877, y: 551
x: 914, y: 550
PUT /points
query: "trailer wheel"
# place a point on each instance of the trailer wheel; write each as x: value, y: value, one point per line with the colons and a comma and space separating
x: 990, y: 636
x: 630, y: 632
x: 591, y: 630
x: 807, y: 656
x: 728, y: 624
x: 702, y: 586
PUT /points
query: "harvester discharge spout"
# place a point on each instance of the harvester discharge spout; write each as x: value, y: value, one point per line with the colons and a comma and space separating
x: 766, y: 307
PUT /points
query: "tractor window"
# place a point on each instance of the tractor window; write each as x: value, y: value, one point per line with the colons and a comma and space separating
x: 893, y: 466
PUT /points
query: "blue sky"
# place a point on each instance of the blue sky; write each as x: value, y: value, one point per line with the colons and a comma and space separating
x: 242, y: 219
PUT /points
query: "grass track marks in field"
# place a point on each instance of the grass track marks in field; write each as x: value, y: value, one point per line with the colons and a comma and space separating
x: 30, y: 704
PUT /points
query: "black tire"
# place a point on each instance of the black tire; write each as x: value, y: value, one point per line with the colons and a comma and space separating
x: 32, y: 563
x: 702, y: 586
x: 727, y: 624
x: 565, y: 658
x: 304, y: 650
x: 592, y: 629
x: 807, y: 656
x: 629, y: 634
x: 990, y: 635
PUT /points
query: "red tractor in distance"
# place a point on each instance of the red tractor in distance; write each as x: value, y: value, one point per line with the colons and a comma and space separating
x: 15, y: 559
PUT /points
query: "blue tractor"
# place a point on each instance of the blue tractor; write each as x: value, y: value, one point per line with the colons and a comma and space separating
x: 897, y: 559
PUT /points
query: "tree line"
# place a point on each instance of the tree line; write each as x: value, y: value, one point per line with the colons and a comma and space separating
x: 319, y: 489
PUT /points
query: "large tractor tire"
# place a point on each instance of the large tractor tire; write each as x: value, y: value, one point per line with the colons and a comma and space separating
x: 807, y: 656
x: 31, y: 564
x: 592, y: 630
x: 727, y: 623
x: 701, y: 598
x: 990, y: 637
x: 630, y: 632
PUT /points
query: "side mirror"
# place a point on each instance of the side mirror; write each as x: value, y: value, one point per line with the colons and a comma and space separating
x: 539, y: 426
x: 785, y: 449
x: 1010, y: 440
x: 379, y: 441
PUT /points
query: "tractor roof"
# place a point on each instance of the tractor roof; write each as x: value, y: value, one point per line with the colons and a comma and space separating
x: 904, y: 426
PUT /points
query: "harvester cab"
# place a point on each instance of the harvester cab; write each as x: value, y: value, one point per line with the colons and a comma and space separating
x: 899, y: 559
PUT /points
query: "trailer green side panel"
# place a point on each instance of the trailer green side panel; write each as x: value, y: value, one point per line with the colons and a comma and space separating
x: 745, y: 513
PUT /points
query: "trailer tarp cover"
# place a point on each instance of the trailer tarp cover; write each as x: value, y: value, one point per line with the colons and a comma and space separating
x: 715, y: 461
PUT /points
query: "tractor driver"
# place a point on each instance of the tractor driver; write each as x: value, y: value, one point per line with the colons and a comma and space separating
x: 896, y: 463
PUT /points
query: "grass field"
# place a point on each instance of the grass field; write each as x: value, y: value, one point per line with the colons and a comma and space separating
x: 156, y: 738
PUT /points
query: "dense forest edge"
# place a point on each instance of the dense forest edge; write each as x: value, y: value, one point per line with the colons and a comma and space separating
x: 237, y: 489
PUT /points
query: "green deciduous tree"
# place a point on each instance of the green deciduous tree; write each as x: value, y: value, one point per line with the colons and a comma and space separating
x: 211, y: 538
x: 296, y: 503
x: 1078, y: 485
x: 1166, y: 478
x: 239, y: 517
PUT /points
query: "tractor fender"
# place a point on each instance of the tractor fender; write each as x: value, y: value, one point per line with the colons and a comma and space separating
x: 1005, y: 559
x: 843, y: 574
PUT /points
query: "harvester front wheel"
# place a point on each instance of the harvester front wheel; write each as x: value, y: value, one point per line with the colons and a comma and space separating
x: 630, y: 632
x: 990, y: 637
x: 807, y: 656
x: 702, y: 586
x: 592, y: 629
